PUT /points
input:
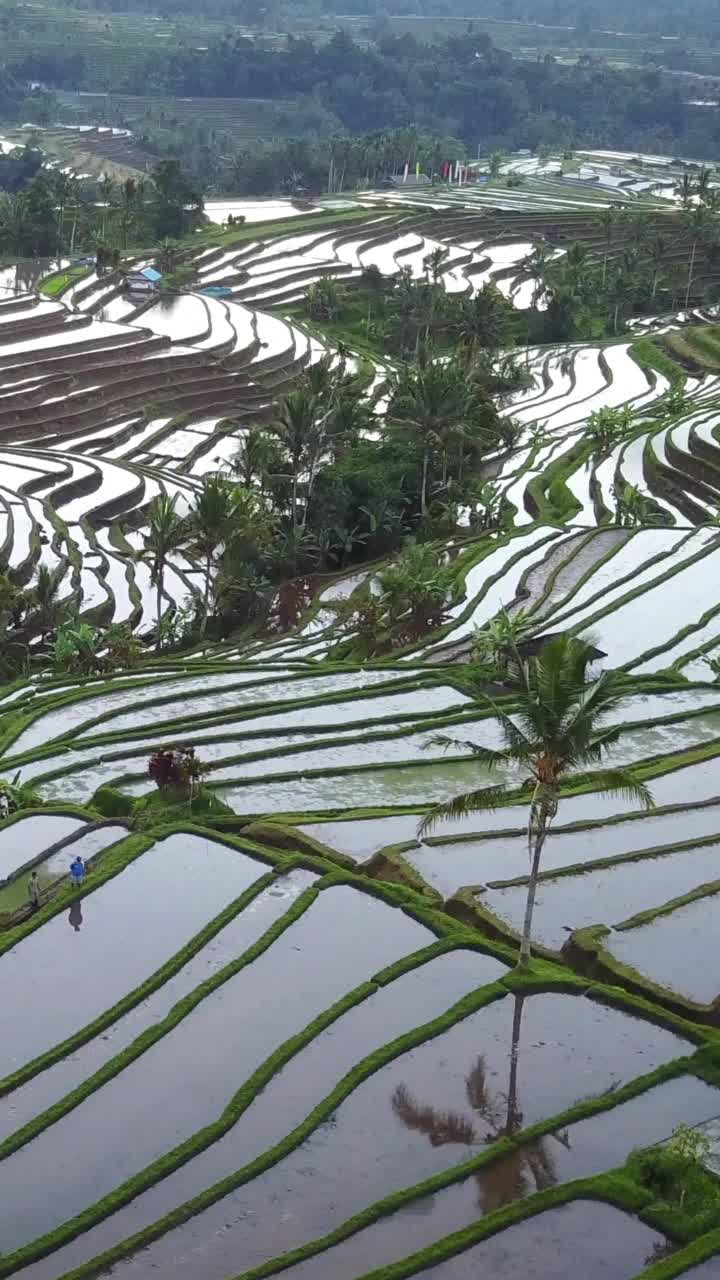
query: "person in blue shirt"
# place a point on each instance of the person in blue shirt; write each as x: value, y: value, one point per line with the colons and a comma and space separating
x: 77, y: 871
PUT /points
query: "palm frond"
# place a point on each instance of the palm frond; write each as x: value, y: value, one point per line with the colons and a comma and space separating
x: 622, y: 782
x: 462, y: 806
x: 485, y: 754
x: 519, y: 744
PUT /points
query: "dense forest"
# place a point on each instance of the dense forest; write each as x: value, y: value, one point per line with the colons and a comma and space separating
x: 461, y: 87
x: 665, y: 17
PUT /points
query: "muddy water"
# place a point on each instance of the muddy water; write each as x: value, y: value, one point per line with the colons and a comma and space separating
x: 599, y: 897
x: 283, y: 691
x: 184, y: 1081
x: 362, y: 837
x: 709, y: 1270
x: 678, y: 951
x: 24, y: 275
x: 178, y: 316
x: 449, y: 866
x: 430, y: 1109
x: 590, y: 1147
x: 691, y: 784
x: 86, y: 846
x: 26, y: 839
x: 409, y: 1001
x: 51, y: 1085
x: 56, y: 980
x: 60, y: 722
x: 661, y: 740
x: 403, y: 748
x: 416, y: 784
x: 601, y: 1242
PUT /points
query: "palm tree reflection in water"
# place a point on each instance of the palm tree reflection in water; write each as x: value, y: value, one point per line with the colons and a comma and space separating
x: 496, y: 1115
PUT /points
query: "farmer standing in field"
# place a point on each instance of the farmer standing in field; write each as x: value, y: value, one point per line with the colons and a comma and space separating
x: 34, y: 891
x: 77, y: 871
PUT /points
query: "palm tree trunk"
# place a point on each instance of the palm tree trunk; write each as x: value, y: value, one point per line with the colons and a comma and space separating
x: 158, y: 607
x: 540, y: 837
x: 294, y: 499
x: 690, y: 274
x: 206, y: 593
x: 423, y: 492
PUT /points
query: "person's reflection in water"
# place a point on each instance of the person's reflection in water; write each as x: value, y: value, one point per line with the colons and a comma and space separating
x: 75, y: 918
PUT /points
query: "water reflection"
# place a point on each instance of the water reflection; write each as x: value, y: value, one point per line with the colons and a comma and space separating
x: 496, y: 1113
x: 75, y: 916
x: 23, y: 276
x: 664, y: 1249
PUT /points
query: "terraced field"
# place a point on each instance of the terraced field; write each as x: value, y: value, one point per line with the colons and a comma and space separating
x: 287, y: 1038
x: 107, y: 402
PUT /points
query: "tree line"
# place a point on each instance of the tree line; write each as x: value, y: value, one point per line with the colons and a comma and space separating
x: 46, y: 211
x: 462, y: 86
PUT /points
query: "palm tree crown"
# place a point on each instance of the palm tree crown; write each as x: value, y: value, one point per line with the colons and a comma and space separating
x: 167, y: 532
x: 556, y: 733
x: 209, y: 526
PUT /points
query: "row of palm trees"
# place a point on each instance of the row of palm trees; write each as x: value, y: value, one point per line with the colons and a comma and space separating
x: 438, y: 409
x: 224, y: 514
x: 638, y: 262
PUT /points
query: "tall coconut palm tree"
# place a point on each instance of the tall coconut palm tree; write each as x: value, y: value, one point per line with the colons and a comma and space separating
x: 434, y: 262
x: 555, y: 733
x: 686, y: 190
x: 608, y: 222
x: 128, y: 194
x: 298, y: 428
x: 429, y: 401
x: 702, y: 185
x: 257, y: 458
x: 47, y: 610
x: 697, y: 222
x: 167, y: 532
x: 209, y: 526
x: 658, y: 255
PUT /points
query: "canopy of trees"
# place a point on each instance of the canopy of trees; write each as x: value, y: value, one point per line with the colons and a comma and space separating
x: 462, y: 86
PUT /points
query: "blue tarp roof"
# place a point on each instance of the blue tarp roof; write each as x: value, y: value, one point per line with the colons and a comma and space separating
x: 151, y: 274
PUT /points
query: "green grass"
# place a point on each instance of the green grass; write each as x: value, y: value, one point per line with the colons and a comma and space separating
x: 696, y: 347
x: 58, y: 282
x: 650, y: 355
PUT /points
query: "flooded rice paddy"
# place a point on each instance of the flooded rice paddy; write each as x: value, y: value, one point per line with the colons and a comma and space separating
x: 152, y: 908
x: 288, y: 1077
x: 428, y: 1110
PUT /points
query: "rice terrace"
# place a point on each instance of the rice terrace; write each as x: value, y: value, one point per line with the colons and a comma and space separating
x: 360, y: 725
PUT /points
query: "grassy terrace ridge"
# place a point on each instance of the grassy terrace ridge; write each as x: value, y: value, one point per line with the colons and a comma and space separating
x: 54, y: 285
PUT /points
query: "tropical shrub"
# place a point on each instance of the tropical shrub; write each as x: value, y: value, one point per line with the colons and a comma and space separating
x: 14, y: 796
x: 675, y: 1173
x: 176, y: 769
x: 123, y: 649
x: 494, y: 646
x: 405, y: 600
x: 76, y: 649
